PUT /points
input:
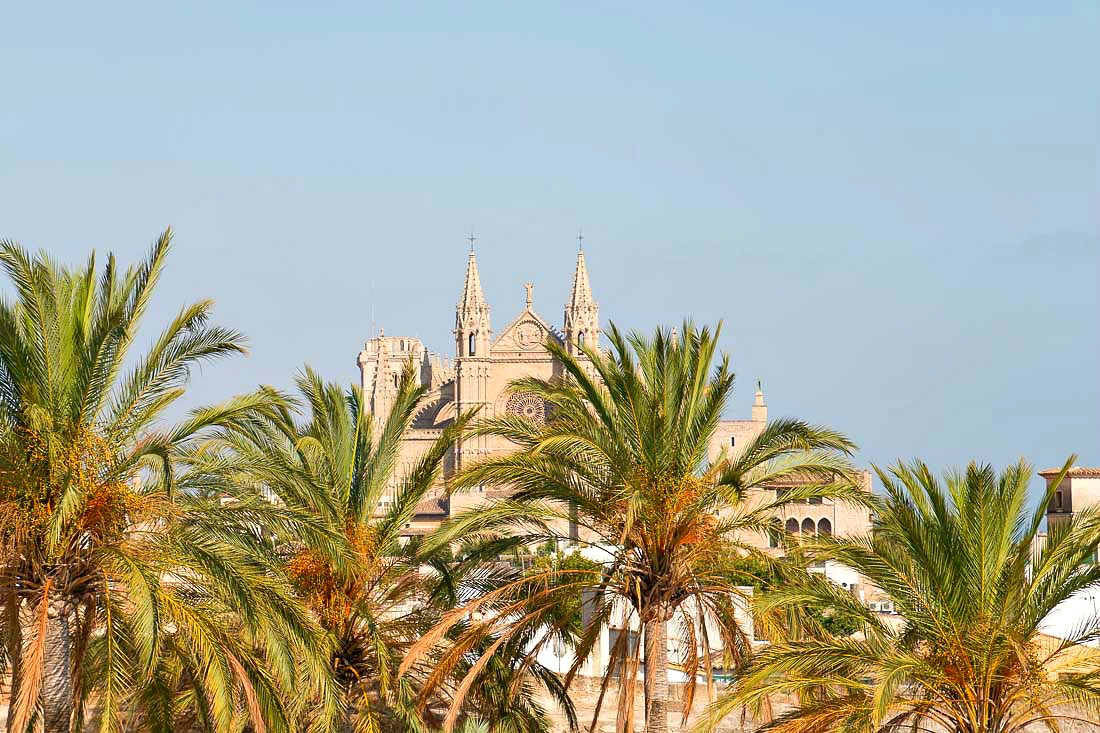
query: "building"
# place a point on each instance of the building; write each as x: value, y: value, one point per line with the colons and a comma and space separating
x: 1080, y: 489
x: 486, y: 361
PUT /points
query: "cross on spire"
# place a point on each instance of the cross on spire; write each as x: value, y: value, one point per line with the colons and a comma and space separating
x: 580, y: 240
x: 471, y: 239
x: 530, y: 287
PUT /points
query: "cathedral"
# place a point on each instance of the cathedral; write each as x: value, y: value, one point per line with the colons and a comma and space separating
x: 484, y: 364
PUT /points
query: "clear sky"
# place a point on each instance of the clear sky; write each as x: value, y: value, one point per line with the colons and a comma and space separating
x: 894, y: 210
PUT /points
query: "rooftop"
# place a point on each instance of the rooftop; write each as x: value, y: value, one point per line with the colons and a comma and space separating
x: 1075, y: 472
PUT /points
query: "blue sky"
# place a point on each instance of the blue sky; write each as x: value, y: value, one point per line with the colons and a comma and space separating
x: 894, y: 210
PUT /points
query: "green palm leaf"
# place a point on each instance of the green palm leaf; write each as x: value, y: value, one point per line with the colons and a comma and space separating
x: 958, y: 559
x: 622, y: 464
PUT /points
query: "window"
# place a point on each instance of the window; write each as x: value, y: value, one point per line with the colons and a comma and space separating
x: 792, y: 525
x: 733, y: 440
x: 471, y: 349
x: 580, y: 338
x: 633, y: 638
x: 808, y: 526
x: 396, y: 381
x: 825, y: 527
x: 1058, y: 500
x: 815, y: 499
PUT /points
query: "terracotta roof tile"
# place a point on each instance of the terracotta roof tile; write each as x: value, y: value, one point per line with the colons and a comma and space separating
x: 435, y: 505
x: 1075, y: 472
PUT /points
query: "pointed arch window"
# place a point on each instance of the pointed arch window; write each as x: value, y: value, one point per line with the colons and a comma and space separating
x: 808, y: 526
x: 825, y: 527
x: 471, y: 349
x: 792, y: 525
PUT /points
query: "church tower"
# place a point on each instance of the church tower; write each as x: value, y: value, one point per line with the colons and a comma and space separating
x: 384, y: 393
x: 472, y: 316
x: 472, y: 364
x: 381, y: 362
x: 582, y: 313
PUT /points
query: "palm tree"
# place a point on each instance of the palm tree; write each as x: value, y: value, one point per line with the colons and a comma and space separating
x: 503, y: 694
x: 623, y: 458
x: 474, y: 726
x: 113, y: 584
x: 961, y: 562
x: 341, y: 467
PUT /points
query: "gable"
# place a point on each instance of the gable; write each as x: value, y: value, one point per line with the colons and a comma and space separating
x: 526, y: 334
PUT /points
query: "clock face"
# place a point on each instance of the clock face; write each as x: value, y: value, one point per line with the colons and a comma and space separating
x: 528, y: 334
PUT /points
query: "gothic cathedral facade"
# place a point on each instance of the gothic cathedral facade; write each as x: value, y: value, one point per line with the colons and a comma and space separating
x: 484, y: 365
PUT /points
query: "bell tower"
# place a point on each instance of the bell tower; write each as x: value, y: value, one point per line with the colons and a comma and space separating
x: 472, y: 364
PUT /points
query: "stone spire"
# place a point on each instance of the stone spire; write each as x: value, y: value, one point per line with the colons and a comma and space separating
x: 472, y: 296
x: 472, y: 315
x: 582, y: 313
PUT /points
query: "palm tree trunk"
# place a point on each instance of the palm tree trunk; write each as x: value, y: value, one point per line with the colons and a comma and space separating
x: 13, y: 642
x: 55, y: 697
x: 57, y: 677
x: 656, y: 675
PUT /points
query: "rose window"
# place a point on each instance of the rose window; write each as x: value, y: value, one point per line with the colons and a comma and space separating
x: 528, y: 406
